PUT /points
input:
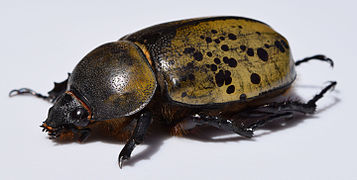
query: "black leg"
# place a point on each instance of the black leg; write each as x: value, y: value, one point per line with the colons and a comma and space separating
x: 323, y: 91
x: 59, y: 89
x: 296, y: 106
x: 16, y: 92
x: 221, y: 123
x: 286, y: 109
x: 268, y: 119
x: 84, y: 134
x: 316, y: 57
x: 137, y: 137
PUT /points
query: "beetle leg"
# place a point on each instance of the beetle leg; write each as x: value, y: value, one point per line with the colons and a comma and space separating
x: 16, y: 92
x: 59, y: 89
x: 287, y: 108
x: 84, y: 134
x: 318, y: 57
x: 268, y: 119
x: 137, y: 137
x: 220, y: 123
x: 296, y: 106
x: 313, y: 101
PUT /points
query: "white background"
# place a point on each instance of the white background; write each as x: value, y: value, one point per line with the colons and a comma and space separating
x: 41, y: 41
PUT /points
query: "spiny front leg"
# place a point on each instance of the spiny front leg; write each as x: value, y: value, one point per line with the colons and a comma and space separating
x: 137, y: 137
x: 16, y: 92
x: 59, y: 89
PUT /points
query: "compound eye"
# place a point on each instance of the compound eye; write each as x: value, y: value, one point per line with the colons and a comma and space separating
x: 79, y: 113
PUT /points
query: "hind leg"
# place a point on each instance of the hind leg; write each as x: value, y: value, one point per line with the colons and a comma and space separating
x: 287, y: 108
x: 266, y: 113
x: 316, y: 57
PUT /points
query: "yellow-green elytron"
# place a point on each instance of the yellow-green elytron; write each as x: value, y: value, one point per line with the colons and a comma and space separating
x: 218, y: 60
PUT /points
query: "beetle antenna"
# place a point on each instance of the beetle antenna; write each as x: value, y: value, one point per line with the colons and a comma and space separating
x: 16, y: 92
x: 316, y: 57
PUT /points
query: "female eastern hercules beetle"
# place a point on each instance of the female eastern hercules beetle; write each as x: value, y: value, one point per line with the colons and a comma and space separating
x: 205, y: 70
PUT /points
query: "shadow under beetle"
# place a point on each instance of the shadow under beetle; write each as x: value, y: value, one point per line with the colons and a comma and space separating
x: 204, y: 69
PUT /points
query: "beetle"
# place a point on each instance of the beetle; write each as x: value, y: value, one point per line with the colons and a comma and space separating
x: 202, y: 70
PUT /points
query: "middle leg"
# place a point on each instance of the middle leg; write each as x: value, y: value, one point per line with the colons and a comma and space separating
x: 221, y: 123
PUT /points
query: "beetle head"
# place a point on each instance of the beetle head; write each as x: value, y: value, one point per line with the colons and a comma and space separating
x: 67, y: 114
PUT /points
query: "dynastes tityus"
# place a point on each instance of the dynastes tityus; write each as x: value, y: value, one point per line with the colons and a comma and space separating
x: 203, y: 70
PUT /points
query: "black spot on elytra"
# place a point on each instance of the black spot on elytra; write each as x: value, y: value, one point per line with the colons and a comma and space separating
x: 266, y: 45
x: 184, y: 94
x: 209, y: 54
x: 255, y: 78
x: 232, y: 36
x: 198, y: 56
x: 243, y: 97
x: 230, y: 89
x: 219, y: 78
x: 225, y: 59
x: 188, y: 50
x: 202, y: 37
x: 243, y: 48
x: 214, y: 31
x: 224, y: 47
x: 217, y: 41
x: 232, y: 62
x: 250, y: 52
x: 208, y: 40
x: 217, y: 61
x: 189, y: 65
x: 222, y: 38
x: 240, y: 27
x: 279, y: 46
x: 227, y: 77
x: 258, y: 33
x: 262, y: 54
x: 285, y: 44
x: 191, y: 77
x: 213, y: 67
